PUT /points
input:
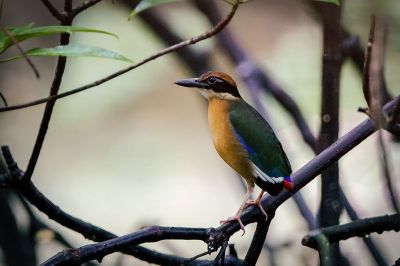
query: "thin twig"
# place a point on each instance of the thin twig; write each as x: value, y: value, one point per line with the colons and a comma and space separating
x: 55, y: 86
x: 3, y: 99
x: 216, y: 29
x: 367, y: 63
x: 21, y: 51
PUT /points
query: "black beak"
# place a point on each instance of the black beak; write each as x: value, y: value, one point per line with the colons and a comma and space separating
x: 194, y: 83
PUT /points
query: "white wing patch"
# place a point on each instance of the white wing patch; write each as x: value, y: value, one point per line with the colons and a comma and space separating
x: 274, y: 180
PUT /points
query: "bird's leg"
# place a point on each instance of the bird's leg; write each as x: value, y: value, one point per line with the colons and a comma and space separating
x: 257, y: 202
x: 236, y: 217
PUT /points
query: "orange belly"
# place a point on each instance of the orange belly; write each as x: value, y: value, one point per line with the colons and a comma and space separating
x: 225, y: 141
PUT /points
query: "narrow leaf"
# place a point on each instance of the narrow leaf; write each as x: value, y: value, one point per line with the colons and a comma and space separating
x: 28, y: 32
x: 145, y: 4
x: 336, y: 2
x: 74, y: 50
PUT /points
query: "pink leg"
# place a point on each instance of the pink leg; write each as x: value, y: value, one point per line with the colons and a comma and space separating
x: 257, y: 202
x: 236, y: 217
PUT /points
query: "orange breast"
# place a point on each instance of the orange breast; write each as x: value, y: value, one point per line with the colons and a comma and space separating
x: 225, y: 141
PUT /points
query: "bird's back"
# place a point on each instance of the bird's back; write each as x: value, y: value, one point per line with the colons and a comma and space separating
x: 261, y: 143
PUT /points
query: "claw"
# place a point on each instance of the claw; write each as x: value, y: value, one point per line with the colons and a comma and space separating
x: 234, y: 218
x: 258, y: 204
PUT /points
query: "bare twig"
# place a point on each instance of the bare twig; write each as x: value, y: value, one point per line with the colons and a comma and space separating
x: 367, y: 63
x: 21, y: 50
x: 216, y: 29
x: 55, y: 86
x: 373, y: 79
x: 3, y: 99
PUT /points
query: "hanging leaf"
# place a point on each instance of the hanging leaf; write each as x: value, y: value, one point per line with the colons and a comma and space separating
x: 74, y: 50
x: 336, y: 2
x: 145, y: 4
x: 27, y: 32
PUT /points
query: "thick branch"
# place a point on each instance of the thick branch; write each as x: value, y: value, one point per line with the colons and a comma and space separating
x: 147, y: 235
x: 360, y: 228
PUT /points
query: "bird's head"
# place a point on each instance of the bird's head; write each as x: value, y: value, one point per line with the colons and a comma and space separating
x: 213, y: 84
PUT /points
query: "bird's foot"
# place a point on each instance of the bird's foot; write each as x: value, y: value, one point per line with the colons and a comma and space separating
x: 234, y: 218
x: 258, y: 204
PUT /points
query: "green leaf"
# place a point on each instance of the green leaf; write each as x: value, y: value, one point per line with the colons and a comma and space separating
x: 145, y: 4
x: 27, y: 32
x: 73, y: 50
x: 336, y: 2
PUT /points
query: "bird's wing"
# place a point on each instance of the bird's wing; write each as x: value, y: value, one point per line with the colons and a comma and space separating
x: 257, y: 137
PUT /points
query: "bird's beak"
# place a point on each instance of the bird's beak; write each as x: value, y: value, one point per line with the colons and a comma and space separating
x: 194, y: 82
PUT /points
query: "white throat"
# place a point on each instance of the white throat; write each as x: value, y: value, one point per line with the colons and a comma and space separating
x: 220, y: 95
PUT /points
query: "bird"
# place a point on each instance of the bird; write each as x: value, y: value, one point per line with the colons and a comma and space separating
x: 243, y: 139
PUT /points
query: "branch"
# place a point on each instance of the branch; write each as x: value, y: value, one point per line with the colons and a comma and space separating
x: 332, y: 61
x: 57, y: 14
x: 300, y: 178
x: 257, y: 243
x: 373, y: 78
x: 367, y: 63
x: 55, y: 86
x: 216, y: 29
x: 360, y: 228
x: 147, y: 235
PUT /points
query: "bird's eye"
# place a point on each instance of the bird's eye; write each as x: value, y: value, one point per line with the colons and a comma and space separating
x: 211, y: 80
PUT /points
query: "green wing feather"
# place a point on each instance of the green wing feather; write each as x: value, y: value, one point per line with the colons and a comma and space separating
x: 259, y: 140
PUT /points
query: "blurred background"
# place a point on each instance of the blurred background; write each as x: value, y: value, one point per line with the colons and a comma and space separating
x: 137, y: 151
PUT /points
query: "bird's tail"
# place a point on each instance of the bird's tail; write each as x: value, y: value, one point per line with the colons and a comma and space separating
x: 287, y: 183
